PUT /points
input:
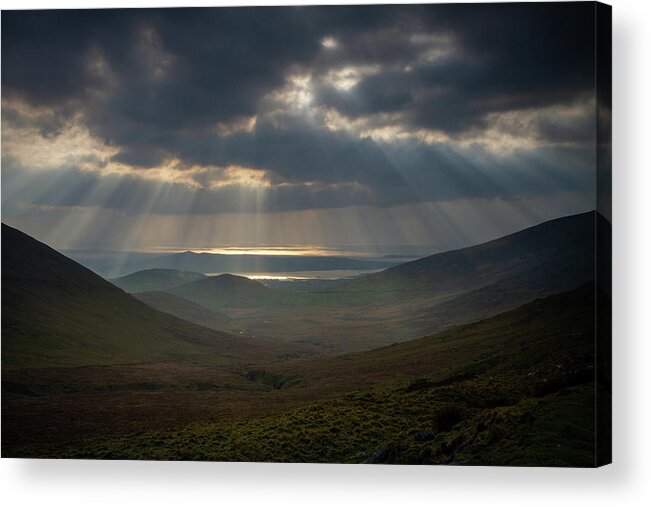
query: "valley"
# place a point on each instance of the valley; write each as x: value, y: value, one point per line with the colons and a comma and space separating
x: 407, y: 301
x: 478, y: 356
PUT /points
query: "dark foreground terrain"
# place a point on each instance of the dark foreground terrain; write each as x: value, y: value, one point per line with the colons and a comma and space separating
x: 123, y: 380
x: 515, y: 389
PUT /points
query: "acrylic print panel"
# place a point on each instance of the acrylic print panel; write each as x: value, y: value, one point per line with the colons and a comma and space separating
x: 350, y: 234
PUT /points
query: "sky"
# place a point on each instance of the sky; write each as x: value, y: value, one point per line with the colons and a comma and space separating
x: 441, y: 125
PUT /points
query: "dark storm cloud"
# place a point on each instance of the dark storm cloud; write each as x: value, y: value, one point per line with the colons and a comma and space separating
x: 221, y: 52
x: 153, y: 83
x: 505, y: 58
x: 405, y: 174
x: 214, y: 65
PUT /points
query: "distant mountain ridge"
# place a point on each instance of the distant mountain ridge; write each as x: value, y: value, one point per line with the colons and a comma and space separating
x: 222, y: 263
x: 155, y: 280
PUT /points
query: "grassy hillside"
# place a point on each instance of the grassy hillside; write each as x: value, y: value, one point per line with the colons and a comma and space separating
x: 155, y: 280
x: 225, y: 291
x: 563, y: 322
x: 184, y: 309
x: 57, y: 313
x: 566, y: 242
x: 516, y: 389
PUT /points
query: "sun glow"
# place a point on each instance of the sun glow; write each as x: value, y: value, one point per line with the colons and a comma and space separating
x: 346, y: 78
x: 329, y: 43
x: 243, y: 176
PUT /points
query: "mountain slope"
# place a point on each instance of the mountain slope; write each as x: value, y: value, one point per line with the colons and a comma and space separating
x: 565, y: 320
x: 225, y: 291
x: 452, y: 288
x: 565, y: 242
x: 557, y: 274
x: 155, y: 280
x: 184, y: 309
x: 55, y: 312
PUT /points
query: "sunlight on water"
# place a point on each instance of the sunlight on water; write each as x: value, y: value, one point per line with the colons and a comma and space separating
x: 304, y: 275
x: 276, y: 277
x: 284, y: 250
